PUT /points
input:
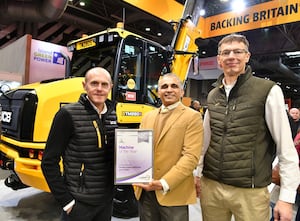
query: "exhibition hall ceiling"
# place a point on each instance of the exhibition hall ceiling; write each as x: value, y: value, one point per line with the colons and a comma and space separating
x: 70, y: 21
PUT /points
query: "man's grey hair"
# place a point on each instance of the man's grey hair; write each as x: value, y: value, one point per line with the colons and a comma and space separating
x: 170, y: 75
x: 233, y: 37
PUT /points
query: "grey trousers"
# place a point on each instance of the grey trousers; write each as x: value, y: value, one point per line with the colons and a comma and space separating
x: 151, y: 210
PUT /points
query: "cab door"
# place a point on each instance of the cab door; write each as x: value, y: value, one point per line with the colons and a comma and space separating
x: 141, y: 64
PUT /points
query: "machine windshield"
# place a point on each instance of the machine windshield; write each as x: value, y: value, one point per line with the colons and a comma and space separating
x: 134, y: 63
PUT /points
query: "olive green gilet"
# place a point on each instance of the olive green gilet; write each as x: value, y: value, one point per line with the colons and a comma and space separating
x: 241, y: 149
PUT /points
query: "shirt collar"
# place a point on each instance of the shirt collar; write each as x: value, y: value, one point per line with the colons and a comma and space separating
x: 96, y: 109
x: 228, y: 87
x: 172, y: 106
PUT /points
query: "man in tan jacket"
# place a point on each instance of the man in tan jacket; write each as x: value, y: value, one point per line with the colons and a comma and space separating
x: 178, y: 136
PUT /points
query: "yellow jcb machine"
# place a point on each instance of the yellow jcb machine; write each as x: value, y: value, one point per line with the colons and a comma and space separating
x: 135, y: 64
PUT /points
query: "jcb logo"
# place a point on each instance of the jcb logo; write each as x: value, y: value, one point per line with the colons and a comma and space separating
x: 6, y: 116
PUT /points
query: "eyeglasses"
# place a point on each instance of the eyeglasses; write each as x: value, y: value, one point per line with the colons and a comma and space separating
x: 236, y: 52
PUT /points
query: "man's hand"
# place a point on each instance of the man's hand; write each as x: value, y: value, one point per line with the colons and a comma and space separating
x: 154, y: 185
x: 197, y: 186
x: 283, y: 211
x: 69, y: 210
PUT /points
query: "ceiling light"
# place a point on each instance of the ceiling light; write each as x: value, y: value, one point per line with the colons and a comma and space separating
x: 202, y: 12
x: 293, y: 53
x: 238, y: 5
x: 82, y: 3
x: 159, y: 34
x: 147, y: 29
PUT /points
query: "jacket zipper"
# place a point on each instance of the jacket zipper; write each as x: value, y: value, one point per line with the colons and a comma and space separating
x: 252, y: 178
x: 98, y: 133
x: 81, y: 177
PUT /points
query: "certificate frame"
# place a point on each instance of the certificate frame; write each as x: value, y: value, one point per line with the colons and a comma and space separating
x: 133, y: 156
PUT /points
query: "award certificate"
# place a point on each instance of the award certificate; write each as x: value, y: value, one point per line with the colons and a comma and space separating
x: 133, y: 156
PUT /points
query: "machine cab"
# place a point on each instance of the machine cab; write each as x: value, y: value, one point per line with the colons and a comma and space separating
x: 135, y: 64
